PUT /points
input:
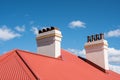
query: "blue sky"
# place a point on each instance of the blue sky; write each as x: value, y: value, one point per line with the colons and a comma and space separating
x: 19, y: 19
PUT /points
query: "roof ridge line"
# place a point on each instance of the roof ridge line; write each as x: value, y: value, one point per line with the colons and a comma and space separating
x: 59, y: 58
x: 27, y: 65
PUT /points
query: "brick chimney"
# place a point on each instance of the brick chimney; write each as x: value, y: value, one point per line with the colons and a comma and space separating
x: 96, y: 50
x: 49, y: 42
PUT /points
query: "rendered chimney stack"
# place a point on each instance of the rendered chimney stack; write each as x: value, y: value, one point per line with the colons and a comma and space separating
x: 96, y: 50
x: 49, y: 42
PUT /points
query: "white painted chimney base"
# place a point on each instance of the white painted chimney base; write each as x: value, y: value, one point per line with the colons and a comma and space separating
x: 49, y: 43
x: 96, y: 52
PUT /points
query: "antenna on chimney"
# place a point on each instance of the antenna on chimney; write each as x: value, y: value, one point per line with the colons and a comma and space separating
x: 95, y: 37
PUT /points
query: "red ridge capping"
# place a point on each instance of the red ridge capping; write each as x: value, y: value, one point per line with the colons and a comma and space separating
x: 59, y: 58
x: 27, y: 65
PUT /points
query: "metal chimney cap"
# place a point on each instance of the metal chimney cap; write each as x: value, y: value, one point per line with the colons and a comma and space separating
x: 47, y: 29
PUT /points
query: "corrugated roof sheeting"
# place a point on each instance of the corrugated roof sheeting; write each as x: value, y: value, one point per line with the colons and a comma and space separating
x: 67, y: 67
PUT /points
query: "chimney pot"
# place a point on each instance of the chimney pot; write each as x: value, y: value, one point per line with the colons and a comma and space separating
x: 88, y: 39
x: 48, y: 29
x: 40, y: 31
x: 97, y: 37
x: 101, y: 36
x: 44, y: 30
x: 92, y: 37
x: 52, y: 28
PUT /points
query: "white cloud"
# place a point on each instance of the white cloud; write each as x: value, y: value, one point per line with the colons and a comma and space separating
x: 113, y: 57
x: 7, y: 34
x: 77, y: 52
x: 115, y: 68
x: 34, y: 30
x: 20, y: 29
x: 77, y: 23
x: 113, y: 33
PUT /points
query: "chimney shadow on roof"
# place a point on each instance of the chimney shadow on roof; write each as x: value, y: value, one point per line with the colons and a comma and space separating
x: 93, y: 64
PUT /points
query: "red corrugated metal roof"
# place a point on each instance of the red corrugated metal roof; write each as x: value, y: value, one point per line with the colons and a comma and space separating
x: 13, y: 68
x: 22, y: 65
